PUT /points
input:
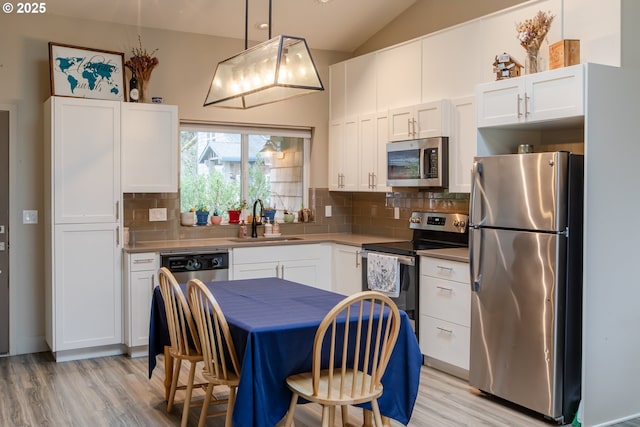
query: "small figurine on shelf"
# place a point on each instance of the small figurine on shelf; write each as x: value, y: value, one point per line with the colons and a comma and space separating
x: 505, y: 66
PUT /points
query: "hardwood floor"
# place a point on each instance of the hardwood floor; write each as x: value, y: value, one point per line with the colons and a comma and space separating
x: 115, y: 391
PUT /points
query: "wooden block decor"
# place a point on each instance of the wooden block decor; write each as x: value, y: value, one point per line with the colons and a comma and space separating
x: 564, y: 53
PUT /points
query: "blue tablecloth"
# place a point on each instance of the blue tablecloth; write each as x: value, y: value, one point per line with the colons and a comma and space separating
x: 273, y: 323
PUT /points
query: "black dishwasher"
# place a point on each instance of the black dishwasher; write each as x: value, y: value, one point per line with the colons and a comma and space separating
x: 206, y: 266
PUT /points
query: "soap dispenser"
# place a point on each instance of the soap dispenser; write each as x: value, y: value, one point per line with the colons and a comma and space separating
x: 268, y: 228
x: 276, y: 227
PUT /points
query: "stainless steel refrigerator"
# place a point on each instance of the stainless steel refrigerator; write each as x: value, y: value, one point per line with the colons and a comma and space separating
x: 526, y: 278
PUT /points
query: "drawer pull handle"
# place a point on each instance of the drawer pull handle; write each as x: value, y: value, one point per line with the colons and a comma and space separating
x: 143, y: 261
x: 448, y: 331
x: 442, y: 288
x: 442, y: 267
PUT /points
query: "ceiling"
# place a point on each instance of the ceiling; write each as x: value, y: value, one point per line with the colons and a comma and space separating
x: 340, y: 25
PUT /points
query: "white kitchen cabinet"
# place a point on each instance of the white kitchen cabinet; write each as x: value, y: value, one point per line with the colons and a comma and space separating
x: 309, y: 264
x: 445, y: 314
x: 545, y: 96
x: 86, y: 294
x: 399, y: 75
x: 141, y: 276
x: 431, y: 119
x: 84, y: 138
x: 83, y: 281
x: 347, y: 269
x: 337, y: 91
x: 462, y: 144
x: 150, y: 148
x: 360, y: 85
x: 343, y: 152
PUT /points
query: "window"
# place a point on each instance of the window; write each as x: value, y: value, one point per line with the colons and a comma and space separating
x: 221, y: 165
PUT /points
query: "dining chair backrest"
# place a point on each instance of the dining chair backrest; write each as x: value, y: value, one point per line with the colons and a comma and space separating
x: 360, y: 348
x: 218, y: 351
x: 182, y: 330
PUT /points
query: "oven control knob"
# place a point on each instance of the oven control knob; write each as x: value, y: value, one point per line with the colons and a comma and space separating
x: 461, y: 224
x: 456, y: 223
x: 415, y: 220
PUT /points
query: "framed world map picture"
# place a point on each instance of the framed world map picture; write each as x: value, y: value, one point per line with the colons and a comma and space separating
x: 86, y: 73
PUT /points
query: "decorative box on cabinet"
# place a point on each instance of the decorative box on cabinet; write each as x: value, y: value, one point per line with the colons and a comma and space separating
x: 347, y: 271
x: 150, y: 148
x: 427, y: 120
x: 83, y: 264
x: 548, y: 95
x: 140, y: 277
x: 445, y: 313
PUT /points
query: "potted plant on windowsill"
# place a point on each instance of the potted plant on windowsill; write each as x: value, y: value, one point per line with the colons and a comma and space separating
x: 234, y: 212
x: 202, y: 215
x: 216, y: 218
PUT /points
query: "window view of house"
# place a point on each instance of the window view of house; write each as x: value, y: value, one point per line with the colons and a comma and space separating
x: 223, y: 166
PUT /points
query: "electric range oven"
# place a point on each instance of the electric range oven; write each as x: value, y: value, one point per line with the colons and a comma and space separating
x: 431, y: 230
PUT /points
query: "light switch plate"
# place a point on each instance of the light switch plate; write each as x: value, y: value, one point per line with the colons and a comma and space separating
x: 396, y: 213
x: 29, y: 217
x: 158, y: 214
x: 1, y: 246
x: 1, y: 229
x: 327, y: 211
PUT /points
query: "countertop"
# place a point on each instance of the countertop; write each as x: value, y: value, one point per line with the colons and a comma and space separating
x: 228, y: 243
x: 453, y: 254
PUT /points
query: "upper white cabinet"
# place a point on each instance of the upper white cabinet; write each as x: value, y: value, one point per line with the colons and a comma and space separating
x: 337, y: 91
x: 84, y: 140
x: 399, y: 75
x: 427, y: 120
x: 360, y: 86
x: 549, y: 95
x: 343, y: 152
x: 462, y: 144
x: 150, y: 148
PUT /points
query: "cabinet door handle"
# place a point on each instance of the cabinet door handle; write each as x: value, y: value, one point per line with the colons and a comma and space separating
x: 518, y: 104
x: 526, y: 107
x: 282, y: 271
x: 373, y: 180
x: 408, y: 127
x: 117, y: 210
x: 153, y: 281
x: 357, y: 259
x: 446, y: 331
x: 442, y: 288
x: 415, y: 133
x: 118, y: 236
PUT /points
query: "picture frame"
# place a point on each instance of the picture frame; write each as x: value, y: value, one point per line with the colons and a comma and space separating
x: 82, y: 72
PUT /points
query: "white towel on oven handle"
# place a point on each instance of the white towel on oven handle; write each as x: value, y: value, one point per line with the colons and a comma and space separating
x: 383, y: 274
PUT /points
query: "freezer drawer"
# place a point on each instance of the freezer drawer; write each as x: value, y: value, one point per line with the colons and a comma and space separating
x: 517, y: 312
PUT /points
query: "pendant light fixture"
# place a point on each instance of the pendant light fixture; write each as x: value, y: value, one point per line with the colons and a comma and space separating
x: 272, y: 71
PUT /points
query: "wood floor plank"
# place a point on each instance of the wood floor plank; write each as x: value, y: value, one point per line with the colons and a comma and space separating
x: 116, y: 391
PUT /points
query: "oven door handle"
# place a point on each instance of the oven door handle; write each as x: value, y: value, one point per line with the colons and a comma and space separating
x: 404, y: 260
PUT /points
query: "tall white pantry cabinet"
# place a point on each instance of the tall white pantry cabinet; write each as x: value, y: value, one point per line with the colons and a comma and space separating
x: 83, y: 298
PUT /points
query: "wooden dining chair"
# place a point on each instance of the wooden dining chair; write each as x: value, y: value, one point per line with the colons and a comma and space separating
x: 185, y: 344
x: 358, y: 353
x: 221, y: 365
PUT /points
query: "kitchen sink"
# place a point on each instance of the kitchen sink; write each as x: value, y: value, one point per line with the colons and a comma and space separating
x: 265, y: 239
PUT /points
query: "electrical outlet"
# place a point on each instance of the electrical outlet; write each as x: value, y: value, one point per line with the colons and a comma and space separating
x: 327, y: 211
x: 158, y: 214
x: 396, y: 213
x: 1, y: 229
x: 29, y: 217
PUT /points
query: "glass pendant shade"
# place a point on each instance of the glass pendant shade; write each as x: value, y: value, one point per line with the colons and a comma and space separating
x: 271, y: 71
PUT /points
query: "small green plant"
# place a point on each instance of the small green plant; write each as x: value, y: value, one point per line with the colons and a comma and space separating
x: 216, y: 212
x: 238, y: 206
x: 202, y: 208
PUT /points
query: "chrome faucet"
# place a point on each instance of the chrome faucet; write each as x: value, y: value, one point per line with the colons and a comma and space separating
x: 256, y: 220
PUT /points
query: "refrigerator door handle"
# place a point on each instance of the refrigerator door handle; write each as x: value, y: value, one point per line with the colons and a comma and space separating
x: 475, y: 280
x: 476, y: 172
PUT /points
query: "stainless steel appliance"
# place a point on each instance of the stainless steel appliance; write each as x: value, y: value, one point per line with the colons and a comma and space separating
x: 526, y: 280
x: 431, y: 230
x: 418, y: 163
x: 206, y: 266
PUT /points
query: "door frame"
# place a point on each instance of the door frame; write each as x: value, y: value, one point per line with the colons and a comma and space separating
x: 13, y: 120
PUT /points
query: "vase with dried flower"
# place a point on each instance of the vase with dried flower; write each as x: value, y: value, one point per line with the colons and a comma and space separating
x: 531, y: 33
x: 142, y: 64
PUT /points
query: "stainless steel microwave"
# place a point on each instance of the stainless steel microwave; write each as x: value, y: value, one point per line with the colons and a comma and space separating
x: 418, y: 163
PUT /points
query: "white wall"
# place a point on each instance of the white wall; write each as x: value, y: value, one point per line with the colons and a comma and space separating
x: 187, y: 63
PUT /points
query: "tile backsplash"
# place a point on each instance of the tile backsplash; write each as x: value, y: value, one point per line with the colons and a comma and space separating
x: 360, y: 213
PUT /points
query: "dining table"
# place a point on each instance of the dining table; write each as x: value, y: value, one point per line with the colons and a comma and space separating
x: 273, y: 324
